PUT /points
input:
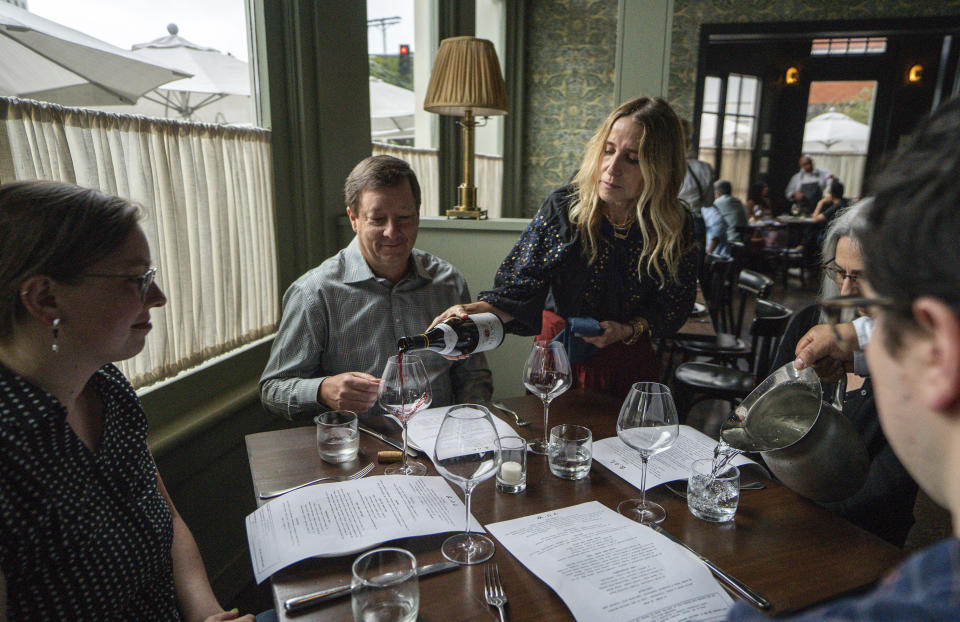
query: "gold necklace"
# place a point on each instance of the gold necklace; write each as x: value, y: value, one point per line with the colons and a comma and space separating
x: 622, y: 231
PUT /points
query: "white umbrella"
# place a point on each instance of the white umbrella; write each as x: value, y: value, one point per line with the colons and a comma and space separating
x: 392, y: 110
x: 47, y: 61
x: 835, y: 131
x: 218, y: 90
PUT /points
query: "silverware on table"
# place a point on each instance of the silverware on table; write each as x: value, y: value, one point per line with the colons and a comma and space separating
x: 300, y: 603
x: 413, y: 453
x: 327, y: 478
x: 735, y: 584
x: 493, y: 589
x: 520, y: 422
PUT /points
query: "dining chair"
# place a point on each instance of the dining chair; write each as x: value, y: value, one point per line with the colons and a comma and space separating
x: 696, y: 381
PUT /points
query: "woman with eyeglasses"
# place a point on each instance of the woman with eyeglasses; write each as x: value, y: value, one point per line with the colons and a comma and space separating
x: 884, y: 504
x: 87, y: 529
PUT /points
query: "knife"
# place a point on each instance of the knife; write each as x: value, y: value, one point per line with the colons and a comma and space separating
x: 413, y: 453
x: 735, y: 584
x: 293, y: 605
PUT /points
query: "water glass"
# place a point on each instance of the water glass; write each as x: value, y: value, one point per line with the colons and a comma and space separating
x: 512, y: 476
x: 712, y: 497
x: 337, y: 439
x: 570, y: 452
x: 385, y: 586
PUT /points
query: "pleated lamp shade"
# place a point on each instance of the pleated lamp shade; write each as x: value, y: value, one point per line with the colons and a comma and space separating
x: 466, y: 75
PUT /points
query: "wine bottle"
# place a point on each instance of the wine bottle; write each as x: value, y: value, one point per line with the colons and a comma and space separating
x: 479, y: 332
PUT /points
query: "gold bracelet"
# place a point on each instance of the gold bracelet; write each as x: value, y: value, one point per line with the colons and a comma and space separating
x: 640, y: 326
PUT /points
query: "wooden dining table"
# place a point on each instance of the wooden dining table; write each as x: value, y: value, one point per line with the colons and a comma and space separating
x: 787, y: 548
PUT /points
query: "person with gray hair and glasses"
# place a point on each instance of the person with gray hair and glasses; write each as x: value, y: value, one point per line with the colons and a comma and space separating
x: 884, y: 504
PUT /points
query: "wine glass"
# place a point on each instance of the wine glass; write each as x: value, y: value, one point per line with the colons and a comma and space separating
x: 546, y: 374
x: 404, y: 389
x: 467, y: 452
x: 648, y: 423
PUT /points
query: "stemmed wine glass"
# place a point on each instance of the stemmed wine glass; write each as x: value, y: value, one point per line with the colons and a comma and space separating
x: 648, y: 423
x: 404, y: 389
x: 467, y: 452
x: 546, y: 374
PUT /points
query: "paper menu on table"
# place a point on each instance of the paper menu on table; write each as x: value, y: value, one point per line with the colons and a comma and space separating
x: 343, y: 518
x: 666, y: 466
x: 423, y: 428
x: 606, y: 567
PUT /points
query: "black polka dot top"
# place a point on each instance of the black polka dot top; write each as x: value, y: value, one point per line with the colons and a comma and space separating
x: 547, y: 269
x: 83, y: 536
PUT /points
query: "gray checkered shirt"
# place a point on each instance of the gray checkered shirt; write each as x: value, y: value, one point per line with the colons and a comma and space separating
x: 339, y: 317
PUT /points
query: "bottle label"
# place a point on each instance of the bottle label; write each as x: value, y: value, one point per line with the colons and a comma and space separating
x: 449, y: 340
x: 490, y: 329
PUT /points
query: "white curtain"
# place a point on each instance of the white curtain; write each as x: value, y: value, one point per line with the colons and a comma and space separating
x: 425, y: 163
x: 207, y: 194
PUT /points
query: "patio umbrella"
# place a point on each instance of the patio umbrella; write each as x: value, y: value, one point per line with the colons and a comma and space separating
x: 47, y: 61
x: 835, y: 131
x: 218, y: 90
x: 392, y: 110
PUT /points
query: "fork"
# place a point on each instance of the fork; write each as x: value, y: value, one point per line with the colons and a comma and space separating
x: 493, y: 589
x: 520, y: 422
x: 328, y: 478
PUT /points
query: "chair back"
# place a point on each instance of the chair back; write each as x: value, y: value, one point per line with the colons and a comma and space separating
x: 715, y: 286
x: 751, y: 284
x: 767, y: 330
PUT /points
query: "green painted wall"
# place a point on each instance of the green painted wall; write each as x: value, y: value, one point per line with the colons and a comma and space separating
x: 690, y: 14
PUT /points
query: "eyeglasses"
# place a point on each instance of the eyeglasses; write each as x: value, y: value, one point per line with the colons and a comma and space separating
x: 144, y: 281
x: 838, y: 275
x: 834, y: 307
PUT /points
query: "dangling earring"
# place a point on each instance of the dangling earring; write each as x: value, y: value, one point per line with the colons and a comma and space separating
x: 56, y: 333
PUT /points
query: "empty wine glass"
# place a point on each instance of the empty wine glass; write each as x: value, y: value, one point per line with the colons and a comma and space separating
x: 467, y: 452
x: 648, y: 423
x: 404, y: 389
x: 546, y: 374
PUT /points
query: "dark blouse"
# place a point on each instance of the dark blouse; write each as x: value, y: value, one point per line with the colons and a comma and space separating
x: 547, y: 270
x: 83, y: 536
x: 884, y: 504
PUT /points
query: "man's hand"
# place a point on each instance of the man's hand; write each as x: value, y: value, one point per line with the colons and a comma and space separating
x: 819, y: 349
x: 352, y: 390
x: 612, y: 333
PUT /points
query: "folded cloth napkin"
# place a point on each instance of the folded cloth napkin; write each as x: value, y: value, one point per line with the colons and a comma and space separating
x: 577, y: 349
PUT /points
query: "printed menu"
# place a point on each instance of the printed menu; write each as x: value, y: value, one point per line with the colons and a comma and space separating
x: 606, y: 567
x: 667, y: 466
x: 343, y: 518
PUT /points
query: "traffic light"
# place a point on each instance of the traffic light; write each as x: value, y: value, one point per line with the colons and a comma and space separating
x: 403, y: 63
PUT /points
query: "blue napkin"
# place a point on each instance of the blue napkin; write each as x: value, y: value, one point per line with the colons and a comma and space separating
x: 577, y: 349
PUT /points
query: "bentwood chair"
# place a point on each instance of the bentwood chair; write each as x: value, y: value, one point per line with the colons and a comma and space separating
x: 697, y: 381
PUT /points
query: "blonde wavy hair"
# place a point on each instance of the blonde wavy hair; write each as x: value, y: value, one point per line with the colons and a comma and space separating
x: 662, y: 161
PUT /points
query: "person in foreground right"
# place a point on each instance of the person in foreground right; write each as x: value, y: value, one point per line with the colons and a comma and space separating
x: 912, y: 262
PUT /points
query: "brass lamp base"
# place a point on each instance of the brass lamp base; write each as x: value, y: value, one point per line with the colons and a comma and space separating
x: 464, y: 212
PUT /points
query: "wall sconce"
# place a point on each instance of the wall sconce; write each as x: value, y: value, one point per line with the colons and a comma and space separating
x: 915, y: 74
x: 466, y: 81
x: 792, y: 76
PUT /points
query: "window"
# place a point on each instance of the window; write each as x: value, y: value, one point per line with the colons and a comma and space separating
x: 848, y: 46
x: 737, y: 117
x: 206, y: 187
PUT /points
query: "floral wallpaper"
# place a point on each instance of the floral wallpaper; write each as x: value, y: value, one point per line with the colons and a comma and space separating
x: 690, y: 14
x: 569, y: 72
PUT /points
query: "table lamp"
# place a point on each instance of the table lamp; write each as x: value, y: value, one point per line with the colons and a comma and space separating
x: 466, y: 81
